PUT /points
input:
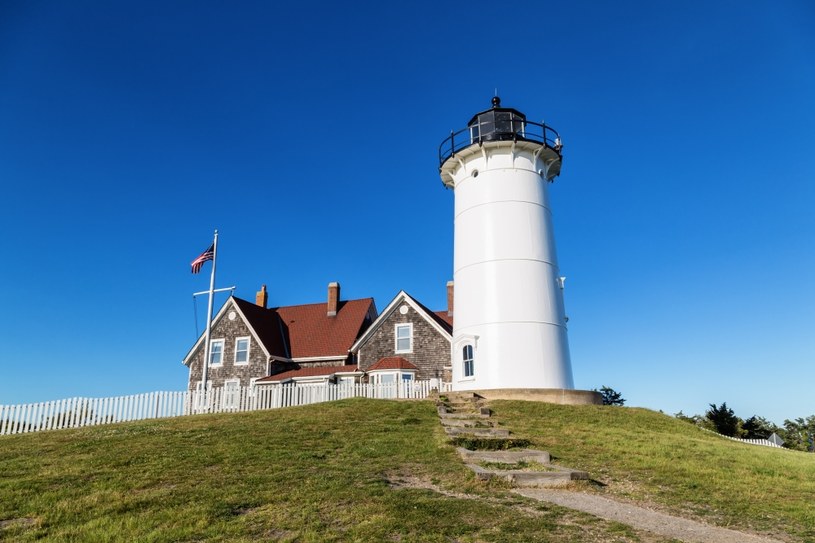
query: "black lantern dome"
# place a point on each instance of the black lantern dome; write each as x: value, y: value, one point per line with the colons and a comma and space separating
x: 500, y: 127
x: 499, y: 124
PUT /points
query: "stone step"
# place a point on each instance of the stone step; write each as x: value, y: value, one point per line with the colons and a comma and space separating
x: 504, y: 457
x: 472, y: 406
x: 462, y: 396
x: 463, y: 409
x: 463, y: 416
x: 531, y: 479
x: 468, y: 423
x: 476, y: 432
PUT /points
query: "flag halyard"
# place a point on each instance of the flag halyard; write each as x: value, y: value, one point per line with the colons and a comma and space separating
x: 209, y: 254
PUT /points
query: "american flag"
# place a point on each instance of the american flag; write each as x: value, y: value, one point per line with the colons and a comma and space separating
x: 206, y: 255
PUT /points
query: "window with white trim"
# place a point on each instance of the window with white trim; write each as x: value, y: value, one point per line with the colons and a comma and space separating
x: 241, y: 351
x: 232, y: 393
x: 467, y: 357
x: 216, y: 352
x: 404, y: 338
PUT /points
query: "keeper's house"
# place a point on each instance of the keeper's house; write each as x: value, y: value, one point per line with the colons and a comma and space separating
x: 337, y: 341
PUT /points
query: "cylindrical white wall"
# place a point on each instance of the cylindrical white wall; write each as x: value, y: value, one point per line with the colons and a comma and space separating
x: 508, y: 295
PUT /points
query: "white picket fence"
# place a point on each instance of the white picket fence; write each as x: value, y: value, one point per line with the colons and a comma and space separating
x: 79, y: 412
x: 762, y: 442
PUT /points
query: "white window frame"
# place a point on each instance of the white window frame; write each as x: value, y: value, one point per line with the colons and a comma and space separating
x: 248, y: 345
x: 212, y: 342
x: 468, y: 362
x: 228, y: 401
x: 398, y: 375
x: 409, y: 326
x: 457, y: 356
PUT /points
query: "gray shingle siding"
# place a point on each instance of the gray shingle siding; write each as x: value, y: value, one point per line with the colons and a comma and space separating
x: 229, y: 331
x: 431, y: 349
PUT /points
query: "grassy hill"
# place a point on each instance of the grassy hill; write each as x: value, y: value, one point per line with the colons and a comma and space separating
x: 369, y: 470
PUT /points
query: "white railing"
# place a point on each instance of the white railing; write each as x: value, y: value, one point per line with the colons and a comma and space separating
x: 79, y: 412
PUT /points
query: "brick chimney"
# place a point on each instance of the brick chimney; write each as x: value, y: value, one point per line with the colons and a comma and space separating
x: 449, y: 298
x: 333, y: 298
x: 261, y: 297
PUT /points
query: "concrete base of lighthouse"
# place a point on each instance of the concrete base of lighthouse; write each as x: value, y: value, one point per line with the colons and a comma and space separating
x: 561, y: 396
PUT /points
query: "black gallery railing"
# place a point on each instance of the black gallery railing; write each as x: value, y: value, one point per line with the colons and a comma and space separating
x: 512, y: 129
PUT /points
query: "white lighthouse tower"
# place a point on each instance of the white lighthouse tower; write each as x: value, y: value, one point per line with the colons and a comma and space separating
x: 509, y: 328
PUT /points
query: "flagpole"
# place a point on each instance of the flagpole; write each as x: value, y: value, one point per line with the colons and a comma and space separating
x: 209, y: 315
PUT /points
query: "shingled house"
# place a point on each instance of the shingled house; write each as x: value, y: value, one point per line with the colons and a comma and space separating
x: 407, y: 341
x: 250, y: 341
x: 337, y: 341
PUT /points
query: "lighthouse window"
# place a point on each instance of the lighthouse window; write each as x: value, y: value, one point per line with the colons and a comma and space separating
x: 467, y: 356
x: 404, y: 338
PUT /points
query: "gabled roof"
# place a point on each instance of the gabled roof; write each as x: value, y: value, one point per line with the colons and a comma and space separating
x: 393, y: 363
x: 267, y: 327
x: 444, y: 327
x: 319, y: 371
x: 312, y: 333
x: 300, y: 331
x: 240, y: 310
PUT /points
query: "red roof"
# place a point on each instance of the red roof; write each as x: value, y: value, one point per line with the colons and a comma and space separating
x: 313, y: 333
x: 305, y: 331
x: 445, y: 317
x: 309, y: 372
x: 392, y: 363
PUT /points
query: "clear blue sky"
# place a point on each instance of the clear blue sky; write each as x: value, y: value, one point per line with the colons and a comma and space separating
x: 308, y: 134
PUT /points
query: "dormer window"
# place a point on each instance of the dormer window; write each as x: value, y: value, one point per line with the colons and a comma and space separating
x: 404, y: 338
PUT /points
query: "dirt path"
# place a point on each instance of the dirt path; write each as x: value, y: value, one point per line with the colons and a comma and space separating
x: 643, y: 519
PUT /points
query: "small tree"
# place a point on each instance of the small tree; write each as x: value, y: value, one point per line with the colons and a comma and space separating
x: 758, y: 428
x: 610, y: 396
x: 723, y: 418
x: 799, y: 433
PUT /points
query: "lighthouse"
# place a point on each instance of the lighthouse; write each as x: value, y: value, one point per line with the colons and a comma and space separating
x: 509, y: 329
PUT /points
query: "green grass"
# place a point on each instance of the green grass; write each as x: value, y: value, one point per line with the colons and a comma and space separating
x: 375, y: 470
x: 355, y: 470
x: 654, y: 459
